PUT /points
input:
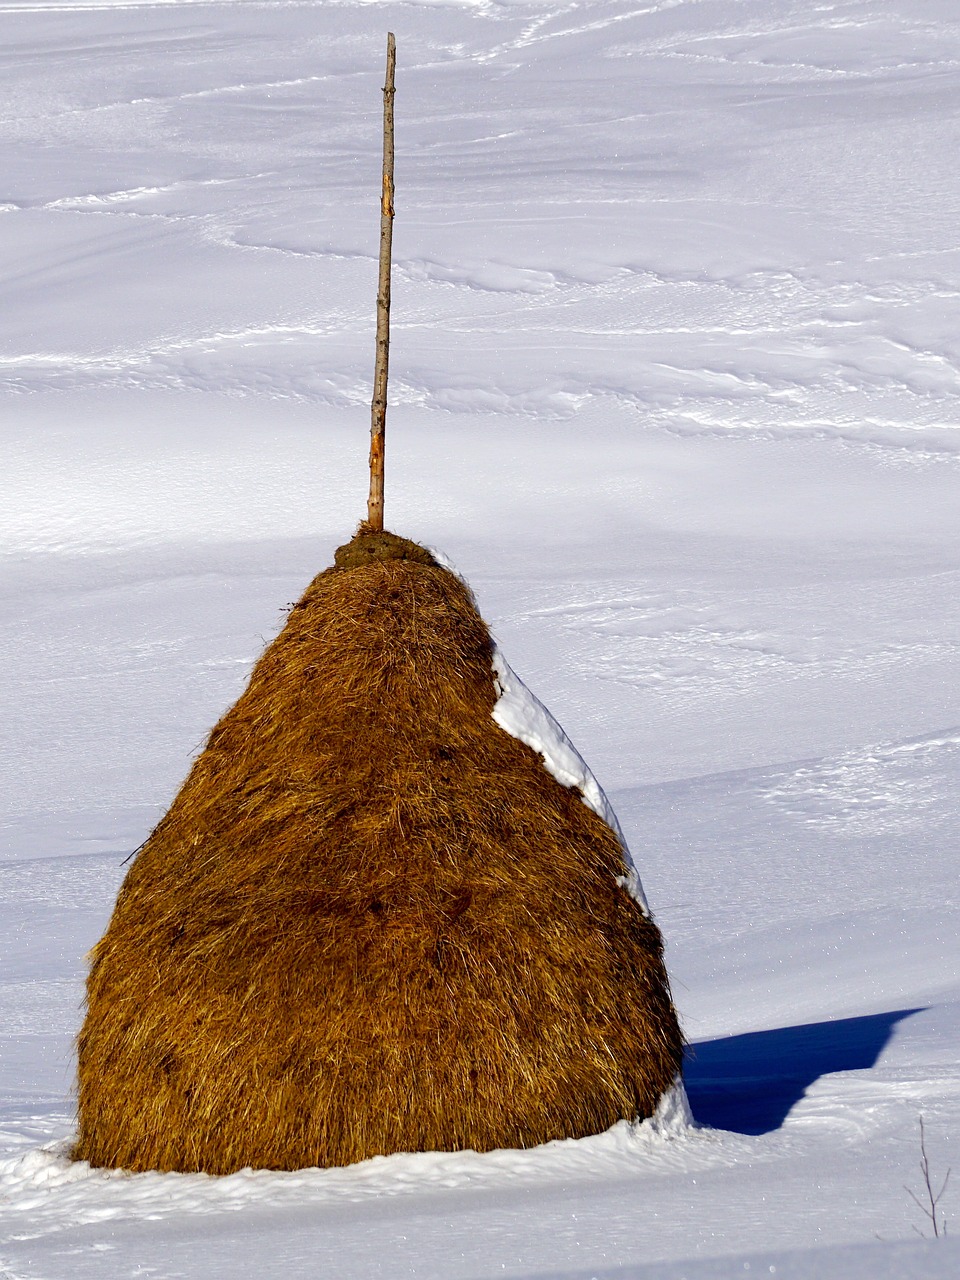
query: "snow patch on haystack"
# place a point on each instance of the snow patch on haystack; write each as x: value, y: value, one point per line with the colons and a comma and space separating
x: 523, y: 716
x: 674, y: 1115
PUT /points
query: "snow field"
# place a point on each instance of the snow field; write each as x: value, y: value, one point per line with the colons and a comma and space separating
x: 674, y: 382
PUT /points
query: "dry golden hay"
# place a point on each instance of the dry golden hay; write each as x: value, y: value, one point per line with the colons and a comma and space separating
x: 371, y: 921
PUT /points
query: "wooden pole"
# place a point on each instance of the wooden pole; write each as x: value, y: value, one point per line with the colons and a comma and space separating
x: 378, y: 414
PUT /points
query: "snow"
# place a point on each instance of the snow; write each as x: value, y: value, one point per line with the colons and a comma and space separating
x: 674, y: 378
x: 521, y: 714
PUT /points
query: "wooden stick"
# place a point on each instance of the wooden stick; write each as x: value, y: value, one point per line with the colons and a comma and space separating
x: 378, y: 414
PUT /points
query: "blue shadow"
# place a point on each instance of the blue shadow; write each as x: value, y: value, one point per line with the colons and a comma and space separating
x: 749, y: 1083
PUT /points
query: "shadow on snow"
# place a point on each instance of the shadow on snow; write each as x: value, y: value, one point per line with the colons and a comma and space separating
x: 749, y: 1083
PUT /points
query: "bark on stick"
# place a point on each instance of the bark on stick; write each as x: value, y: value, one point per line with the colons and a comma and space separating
x: 378, y: 417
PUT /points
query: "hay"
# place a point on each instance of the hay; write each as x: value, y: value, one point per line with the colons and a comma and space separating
x: 371, y: 921
x: 376, y: 545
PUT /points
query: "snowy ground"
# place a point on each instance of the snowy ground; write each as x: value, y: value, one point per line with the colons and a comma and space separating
x: 676, y: 383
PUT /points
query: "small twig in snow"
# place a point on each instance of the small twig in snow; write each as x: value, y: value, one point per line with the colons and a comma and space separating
x: 929, y: 1206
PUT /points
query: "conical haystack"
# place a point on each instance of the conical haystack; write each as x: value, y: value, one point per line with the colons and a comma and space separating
x: 371, y: 921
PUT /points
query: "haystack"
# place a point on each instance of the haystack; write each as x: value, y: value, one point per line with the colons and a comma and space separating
x: 371, y: 920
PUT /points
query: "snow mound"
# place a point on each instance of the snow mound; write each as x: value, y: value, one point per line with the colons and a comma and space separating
x: 47, y: 1184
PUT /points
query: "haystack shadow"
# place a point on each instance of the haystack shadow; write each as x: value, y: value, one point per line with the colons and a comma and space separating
x: 750, y: 1083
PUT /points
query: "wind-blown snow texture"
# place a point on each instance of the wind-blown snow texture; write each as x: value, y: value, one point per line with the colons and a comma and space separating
x: 676, y: 381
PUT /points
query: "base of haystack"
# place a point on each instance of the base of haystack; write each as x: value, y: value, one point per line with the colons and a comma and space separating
x: 371, y: 921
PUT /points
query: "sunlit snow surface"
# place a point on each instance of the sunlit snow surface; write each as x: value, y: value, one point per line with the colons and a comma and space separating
x: 675, y: 379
